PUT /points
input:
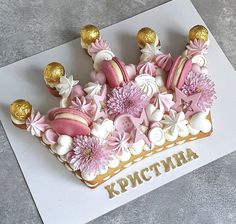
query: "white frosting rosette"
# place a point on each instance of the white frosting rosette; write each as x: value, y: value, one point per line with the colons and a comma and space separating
x: 147, y: 84
x: 93, y: 88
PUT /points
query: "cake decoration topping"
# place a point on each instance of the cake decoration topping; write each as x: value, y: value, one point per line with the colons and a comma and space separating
x: 102, y: 128
x: 100, y: 102
x: 175, y: 122
x: 127, y: 112
x: 199, y: 122
x: 198, y: 32
x: 64, y: 144
x: 146, y: 35
x: 53, y: 72
x: 118, y: 143
x: 36, y: 124
x: 89, y: 34
x: 149, y: 53
x: 196, y: 82
x: 97, y: 46
x: 93, y: 88
x: 65, y: 86
x: 126, y: 99
x: 147, y: 84
x: 156, y: 136
x: 197, y: 47
x: 88, y: 155
x: 147, y: 68
x: 163, y: 101
x: 153, y: 113
x: 50, y: 137
x: 187, y: 104
x: 83, y: 104
x: 20, y: 109
x: 141, y: 126
x: 164, y: 61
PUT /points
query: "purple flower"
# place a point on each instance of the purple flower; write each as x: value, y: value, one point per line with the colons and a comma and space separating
x: 126, y: 99
x: 88, y: 155
x: 200, y: 83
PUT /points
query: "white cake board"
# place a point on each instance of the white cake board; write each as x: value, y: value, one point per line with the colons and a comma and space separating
x: 59, y: 196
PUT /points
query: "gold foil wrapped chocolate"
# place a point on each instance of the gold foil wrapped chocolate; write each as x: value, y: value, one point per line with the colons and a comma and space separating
x: 89, y: 34
x: 20, y: 109
x: 198, y: 32
x: 145, y: 36
x: 53, y: 72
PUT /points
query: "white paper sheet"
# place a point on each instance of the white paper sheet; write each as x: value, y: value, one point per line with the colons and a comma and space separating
x: 59, y: 196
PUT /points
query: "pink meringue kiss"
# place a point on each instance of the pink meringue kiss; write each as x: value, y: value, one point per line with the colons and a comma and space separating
x: 77, y: 91
x: 50, y: 137
x: 147, y: 68
x: 131, y: 71
x: 98, y: 77
x: 164, y: 61
x: 97, y: 46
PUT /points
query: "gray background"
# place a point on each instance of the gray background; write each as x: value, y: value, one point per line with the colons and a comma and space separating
x: 27, y: 27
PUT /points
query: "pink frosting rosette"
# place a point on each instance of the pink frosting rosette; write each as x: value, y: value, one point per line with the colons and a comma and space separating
x: 197, y: 47
x: 164, y: 61
x: 36, y: 124
x: 97, y: 46
x: 147, y: 68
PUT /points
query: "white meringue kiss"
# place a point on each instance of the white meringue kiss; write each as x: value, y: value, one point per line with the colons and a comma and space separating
x: 153, y: 113
x: 92, y: 88
x: 64, y: 143
x: 147, y: 84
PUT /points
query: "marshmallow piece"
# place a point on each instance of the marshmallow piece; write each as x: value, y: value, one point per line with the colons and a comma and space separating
x: 64, y: 143
x: 199, y: 122
x: 101, y: 56
x: 156, y: 136
x: 153, y: 113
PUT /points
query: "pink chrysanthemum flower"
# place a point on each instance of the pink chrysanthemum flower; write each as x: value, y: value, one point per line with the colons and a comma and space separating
x: 88, y: 155
x: 126, y: 99
x: 198, y: 82
x: 83, y: 105
x: 118, y: 142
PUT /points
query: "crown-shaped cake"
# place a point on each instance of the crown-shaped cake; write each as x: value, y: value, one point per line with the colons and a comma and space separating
x: 127, y: 112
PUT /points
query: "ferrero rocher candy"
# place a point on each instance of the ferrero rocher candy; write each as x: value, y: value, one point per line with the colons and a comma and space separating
x: 53, y: 72
x: 20, y: 109
x: 198, y: 32
x: 145, y: 36
x: 89, y: 34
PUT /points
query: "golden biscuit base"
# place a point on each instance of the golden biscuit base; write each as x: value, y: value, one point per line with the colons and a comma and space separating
x: 101, y: 178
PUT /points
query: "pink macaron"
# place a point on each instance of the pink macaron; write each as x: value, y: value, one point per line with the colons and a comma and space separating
x: 115, y: 72
x: 67, y: 121
x: 178, y: 73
